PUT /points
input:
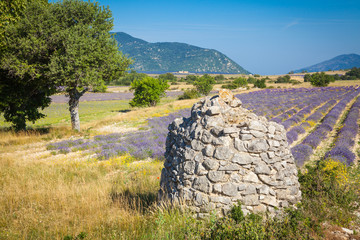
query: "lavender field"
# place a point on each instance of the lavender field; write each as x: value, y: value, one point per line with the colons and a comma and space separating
x: 309, y: 115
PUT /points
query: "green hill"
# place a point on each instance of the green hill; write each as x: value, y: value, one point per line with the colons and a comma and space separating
x: 174, y: 57
x: 345, y: 61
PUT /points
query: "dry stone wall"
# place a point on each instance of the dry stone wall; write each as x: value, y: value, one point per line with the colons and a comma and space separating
x: 224, y: 153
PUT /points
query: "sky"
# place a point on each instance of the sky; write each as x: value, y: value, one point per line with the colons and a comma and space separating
x: 264, y: 37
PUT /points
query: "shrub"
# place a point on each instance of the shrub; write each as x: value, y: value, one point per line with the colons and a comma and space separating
x: 204, y: 84
x: 283, y: 79
x: 321, y: 79
x: 260, y: 83
x: 330, y: 192
x: 148, y: 91
x: 238, y: 82
x: 189, y: 94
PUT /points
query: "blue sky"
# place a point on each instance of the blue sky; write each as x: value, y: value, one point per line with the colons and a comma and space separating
x: 264, y: 37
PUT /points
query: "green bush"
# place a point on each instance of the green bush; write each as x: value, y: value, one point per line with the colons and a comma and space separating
x: 330, y: 191
x: 260, y: 83
x: 204, y: 84
x: 148, y: 91
x: 320, y: 79
x: 283, y: 79
x: 128, y: 78
x: 168, y: 77
x: 292, y: 225
x: 189, y: 94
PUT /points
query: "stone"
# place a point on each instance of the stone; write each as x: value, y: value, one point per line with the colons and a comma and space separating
x: 209, y: 150
x: 224, y: 153
x: 239, y: 145
x: 189, y: 167
x: 214, y: 110
x: 262, y: 168
x: 242, y: 158
x: 229, y: 189
x: 258, y: 146
x: 202, y: 184
x: 258, y: 126
x: 230, y: 167
x: 206, y: 137
x: 197, y: 145
x: 216, y: 176
x: 211, y: 164
x: 251, y: 177
x: 270, y: 201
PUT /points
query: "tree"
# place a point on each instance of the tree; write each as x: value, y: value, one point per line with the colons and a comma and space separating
x: 86, y: 56
x: 12, y: 11
x: 307, y: 77
x: 260, y: 83
x: 204, y: 84
x: 148, y: 91
x: 24, y: 88
x: 168, y: 77
x: 320, y: 79
x: 72, y: 45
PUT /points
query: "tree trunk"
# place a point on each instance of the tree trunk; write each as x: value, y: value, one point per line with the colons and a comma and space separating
x: 74, y: 108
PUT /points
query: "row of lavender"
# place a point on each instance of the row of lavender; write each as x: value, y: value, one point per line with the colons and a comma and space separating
x: 151, y: 143
x: 304, y: 150
x: 345, y: 139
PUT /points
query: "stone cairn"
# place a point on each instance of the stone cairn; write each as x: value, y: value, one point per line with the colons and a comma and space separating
x: 223, y: 154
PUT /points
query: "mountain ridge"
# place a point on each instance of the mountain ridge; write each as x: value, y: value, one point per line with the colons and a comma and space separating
x: 344, y: 61
x: 175, y: 57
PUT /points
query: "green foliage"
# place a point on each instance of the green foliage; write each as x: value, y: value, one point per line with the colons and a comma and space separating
x: 219, y: 78
x: 189, y: 94
x: 24, y: 88
x: 238, y: 82
x: 204, y: 84
x: 292, y: 225
x: 65, y: 44
x: 257, y: 75
x: 168, y: 77
x: 320, y: 79
x: 148, y: 91
x: 128, y: 78
x: 330, y: 191
x: 251, y: 80
x: 307, y: 77
x: 353, y: 74
x: 260, y: 83
x: 190, y: 78
x: 283, y: 79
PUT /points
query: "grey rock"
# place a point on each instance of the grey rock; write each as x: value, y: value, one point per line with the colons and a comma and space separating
x: 258, y: 146
x: 251, y: 177
x: 262, y: 168
x: 258, y: 126
x: 239, y: 145
x: 216, y: 176
x: 209, y: 150
x: 211, y: 164
x: 230, y: 167
x: 202, y: 184
x: 229, y: 189
x: 197, y: 145
x: 223, y: 153
x: 242, y: 158
x: 214, y: 110
x: 189, y: 167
